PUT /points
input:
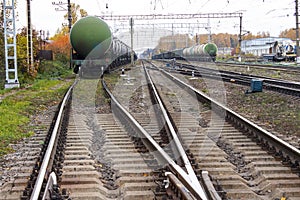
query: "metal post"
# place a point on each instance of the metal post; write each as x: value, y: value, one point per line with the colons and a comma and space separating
x: 29, y: 39
x: 187, y: 40
x: 297, y: 32
x: 240, y: 41
x: 70, y: 26
x: 9, y: 25
x: 209, y: 31
x: 131, y: 33
x: 69, y: 15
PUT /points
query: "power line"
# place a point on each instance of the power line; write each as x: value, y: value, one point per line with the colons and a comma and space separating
x: 172, y: 16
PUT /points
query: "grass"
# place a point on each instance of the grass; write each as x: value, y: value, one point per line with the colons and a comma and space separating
x: 19, y: 106
x: 111, y: 79
x: 273, y: 111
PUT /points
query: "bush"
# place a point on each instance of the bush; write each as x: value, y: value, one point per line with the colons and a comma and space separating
x: 53, y: 69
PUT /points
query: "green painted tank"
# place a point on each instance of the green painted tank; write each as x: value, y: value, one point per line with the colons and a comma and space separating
x: 211, y: 49
x: 90, y: 36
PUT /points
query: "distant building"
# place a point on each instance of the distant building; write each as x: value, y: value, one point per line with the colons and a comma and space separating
x: 261, y: 46
x: 224, y: 51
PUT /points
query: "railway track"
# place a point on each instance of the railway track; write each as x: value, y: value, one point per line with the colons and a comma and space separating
x: 163, y: 158
x: 242, y: 168
x: 118, y: 171
x: 236, y: 99
x: 262, y: 66
x: 17, y: 167
x: 111, y: 156
x: 286, y: 87
x: 102, y: 161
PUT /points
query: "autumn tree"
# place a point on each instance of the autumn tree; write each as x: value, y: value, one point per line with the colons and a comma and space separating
x: 21, y: 40
x: 262, y: 34
x: 60, y: 46
x: 23, y: 68
x: 220, y: 39
x: 60, y: 41
x: 172, y: 42
x: 76, y: 13
x: 288, y: 33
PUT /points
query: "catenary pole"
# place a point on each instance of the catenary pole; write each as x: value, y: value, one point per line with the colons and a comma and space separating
x: 29, y: 39
x: 297, y: 32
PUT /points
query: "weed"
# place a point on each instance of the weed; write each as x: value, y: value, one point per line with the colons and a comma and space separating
x: 17, y: 109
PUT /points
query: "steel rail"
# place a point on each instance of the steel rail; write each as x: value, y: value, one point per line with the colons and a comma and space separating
x: 43, y: 170
x: 280, y: 82
x: 52, y: 181
x: 158, y: 152
x: 174, y: 182
x: 269, y: 84
x: 286, y: 150
x: 273, y: 67
x: 282, y: 86
x: 181, y: 151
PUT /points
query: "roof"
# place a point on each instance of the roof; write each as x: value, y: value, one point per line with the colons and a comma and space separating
x: 266, y: 41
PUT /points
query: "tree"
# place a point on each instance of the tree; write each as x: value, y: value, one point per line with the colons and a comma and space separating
x: 61, y: 47
x: 288, y: 33
x: 262, y: 34
x: 60, y: 41
x: 24, y: 71
x: 76, y: 12
x: 178, y: 41
x: 220, y: 39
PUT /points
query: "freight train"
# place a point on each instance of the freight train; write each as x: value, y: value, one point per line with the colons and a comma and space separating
x: 94, y: 49
x: 203, y: 52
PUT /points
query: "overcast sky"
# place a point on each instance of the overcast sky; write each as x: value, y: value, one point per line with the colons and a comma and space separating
x: 258, y: 15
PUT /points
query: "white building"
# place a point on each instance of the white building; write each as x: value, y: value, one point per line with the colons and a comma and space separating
x: 261, y: 46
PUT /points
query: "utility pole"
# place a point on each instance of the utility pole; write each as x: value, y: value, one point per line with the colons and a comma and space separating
x: 70, y: 26
x: 69, y: 15
x: 297, y: 33
x: 209, y: 31
x: 131, y: 22
x: 29, y: 39
x: 240, y: 41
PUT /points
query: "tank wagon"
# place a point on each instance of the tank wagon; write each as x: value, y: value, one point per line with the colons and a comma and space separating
x: 95, y: 50
x: 203, y: 52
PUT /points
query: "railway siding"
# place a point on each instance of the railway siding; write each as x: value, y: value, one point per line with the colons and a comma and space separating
x: 248, y: 171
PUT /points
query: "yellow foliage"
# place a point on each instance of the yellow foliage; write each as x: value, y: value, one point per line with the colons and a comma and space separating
x: 60, y: 44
